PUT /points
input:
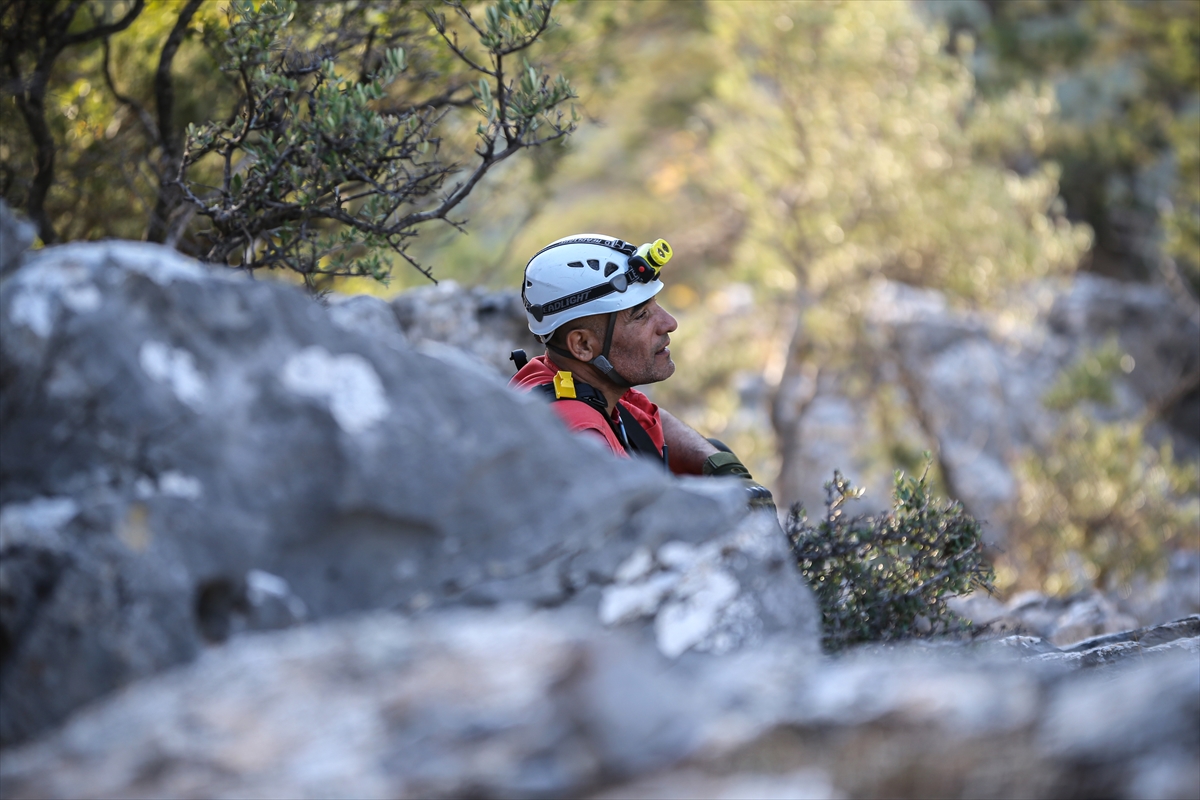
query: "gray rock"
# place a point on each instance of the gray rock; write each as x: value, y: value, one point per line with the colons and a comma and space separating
x: 487, y: 324
x: 16, y: 235
x: 1024, y: 646
x: 469, y: 703
x: 368, y: 315
x: 1186, y: 628
x: 973, y: 385
x: 514, y: 702
x: 202, y: 427
x: 1173, y: 596
x: 1160, y: 332
x: 691, y: 783
x: 1061, y: 621
x: 1112, y: 653
x: 1132, y: 734
x: 716, y: 597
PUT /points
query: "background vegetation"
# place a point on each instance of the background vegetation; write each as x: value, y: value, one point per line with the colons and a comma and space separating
x: 795, y: 154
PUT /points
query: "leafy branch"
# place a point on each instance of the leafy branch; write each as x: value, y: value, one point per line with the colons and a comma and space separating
x: 322, y: 175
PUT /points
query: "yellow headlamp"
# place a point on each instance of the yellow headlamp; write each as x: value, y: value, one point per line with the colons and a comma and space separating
x: 649, y: 259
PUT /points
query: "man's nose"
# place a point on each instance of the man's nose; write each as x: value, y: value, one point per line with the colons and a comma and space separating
x: 667, y: 323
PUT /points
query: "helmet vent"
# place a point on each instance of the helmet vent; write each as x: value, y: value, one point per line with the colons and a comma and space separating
x: 594, y: 263
x: 575, y: 264
x: 528, y: 284
x: 610, y: 268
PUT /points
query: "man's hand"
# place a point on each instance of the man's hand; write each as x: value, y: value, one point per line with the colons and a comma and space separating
x: 722, y: 464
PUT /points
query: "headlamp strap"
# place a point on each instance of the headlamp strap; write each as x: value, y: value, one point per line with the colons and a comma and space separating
x: 540, y: 310
x: 613, y: 244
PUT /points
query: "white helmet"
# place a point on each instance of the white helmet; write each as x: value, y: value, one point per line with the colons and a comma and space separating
x: 589, y: 274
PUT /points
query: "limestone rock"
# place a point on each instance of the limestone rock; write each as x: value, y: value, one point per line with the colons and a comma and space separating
x: 462, y: 703
x: 715, y: 597
x: 368, y: 315
x: 1061, y: 621
x: 516, y: 702
x: 186, y: 454
x: 487, y: 324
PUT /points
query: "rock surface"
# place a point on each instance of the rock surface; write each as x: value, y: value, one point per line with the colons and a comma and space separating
x: 186, y: 455
x: 974, y: 384
x: 487, y: 324
x: 514, y: 702
x: 1069, y: 619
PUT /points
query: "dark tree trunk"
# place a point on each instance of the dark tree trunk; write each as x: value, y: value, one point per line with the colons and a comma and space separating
x: 169, y: 196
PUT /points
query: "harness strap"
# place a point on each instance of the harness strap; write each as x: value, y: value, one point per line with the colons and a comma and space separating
x: 584, y: 393
x: 638, y: 441
x: 632, y: 435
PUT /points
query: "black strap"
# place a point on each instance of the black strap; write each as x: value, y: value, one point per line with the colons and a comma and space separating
x: 584, y: 393
x: 612, y: 244
x: 631, y: 434
x: 540, y: 310
x: 639, y: 441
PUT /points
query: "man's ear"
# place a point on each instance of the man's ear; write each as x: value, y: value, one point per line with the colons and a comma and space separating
x: 579, y: 345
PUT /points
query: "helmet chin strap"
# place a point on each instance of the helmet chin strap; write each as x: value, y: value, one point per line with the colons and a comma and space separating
x: 601, y: 361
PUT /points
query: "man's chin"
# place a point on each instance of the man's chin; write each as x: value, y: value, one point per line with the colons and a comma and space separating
x: 654, y: 375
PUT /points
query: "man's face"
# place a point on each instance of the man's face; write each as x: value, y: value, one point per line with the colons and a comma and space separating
x: 639, y: 346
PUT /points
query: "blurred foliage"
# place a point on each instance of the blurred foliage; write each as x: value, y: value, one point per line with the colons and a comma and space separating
x: 317, y: 134
x: 878, y: 578
x: 856, y: 149
x: 1127, y: 77
x: 1089, y: 380
x: 1100, y: 504
x: 1182, y: 218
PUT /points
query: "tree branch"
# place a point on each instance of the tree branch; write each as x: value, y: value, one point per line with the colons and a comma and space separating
x: 143, y: 116
x: 100, y: 31
x: 157, y: 229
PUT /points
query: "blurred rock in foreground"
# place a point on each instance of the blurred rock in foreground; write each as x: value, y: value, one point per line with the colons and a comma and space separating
x: 186, y: 455
x: 519, y: 703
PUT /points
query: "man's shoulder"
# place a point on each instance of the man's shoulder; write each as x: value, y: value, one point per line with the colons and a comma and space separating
x: 635, y: 400
x: 533, y: 374
x: 540, y: 372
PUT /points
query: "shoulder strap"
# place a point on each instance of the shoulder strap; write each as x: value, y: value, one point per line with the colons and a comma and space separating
x: 583, y: 393
x: 639, y: 441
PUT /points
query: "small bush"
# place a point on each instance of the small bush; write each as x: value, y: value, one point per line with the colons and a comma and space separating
x: 888, y: 577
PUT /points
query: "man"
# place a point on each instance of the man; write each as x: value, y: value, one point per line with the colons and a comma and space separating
x: 591, y: 300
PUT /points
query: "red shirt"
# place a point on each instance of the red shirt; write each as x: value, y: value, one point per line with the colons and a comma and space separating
x: 580, y: 416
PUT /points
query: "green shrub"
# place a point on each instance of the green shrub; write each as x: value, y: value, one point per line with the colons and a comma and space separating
x: 1102, y: 504
x: 1104, y: 507
x: 888, y: 577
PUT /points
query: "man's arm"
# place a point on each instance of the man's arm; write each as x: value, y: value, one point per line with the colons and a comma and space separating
x: 687, y: 449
